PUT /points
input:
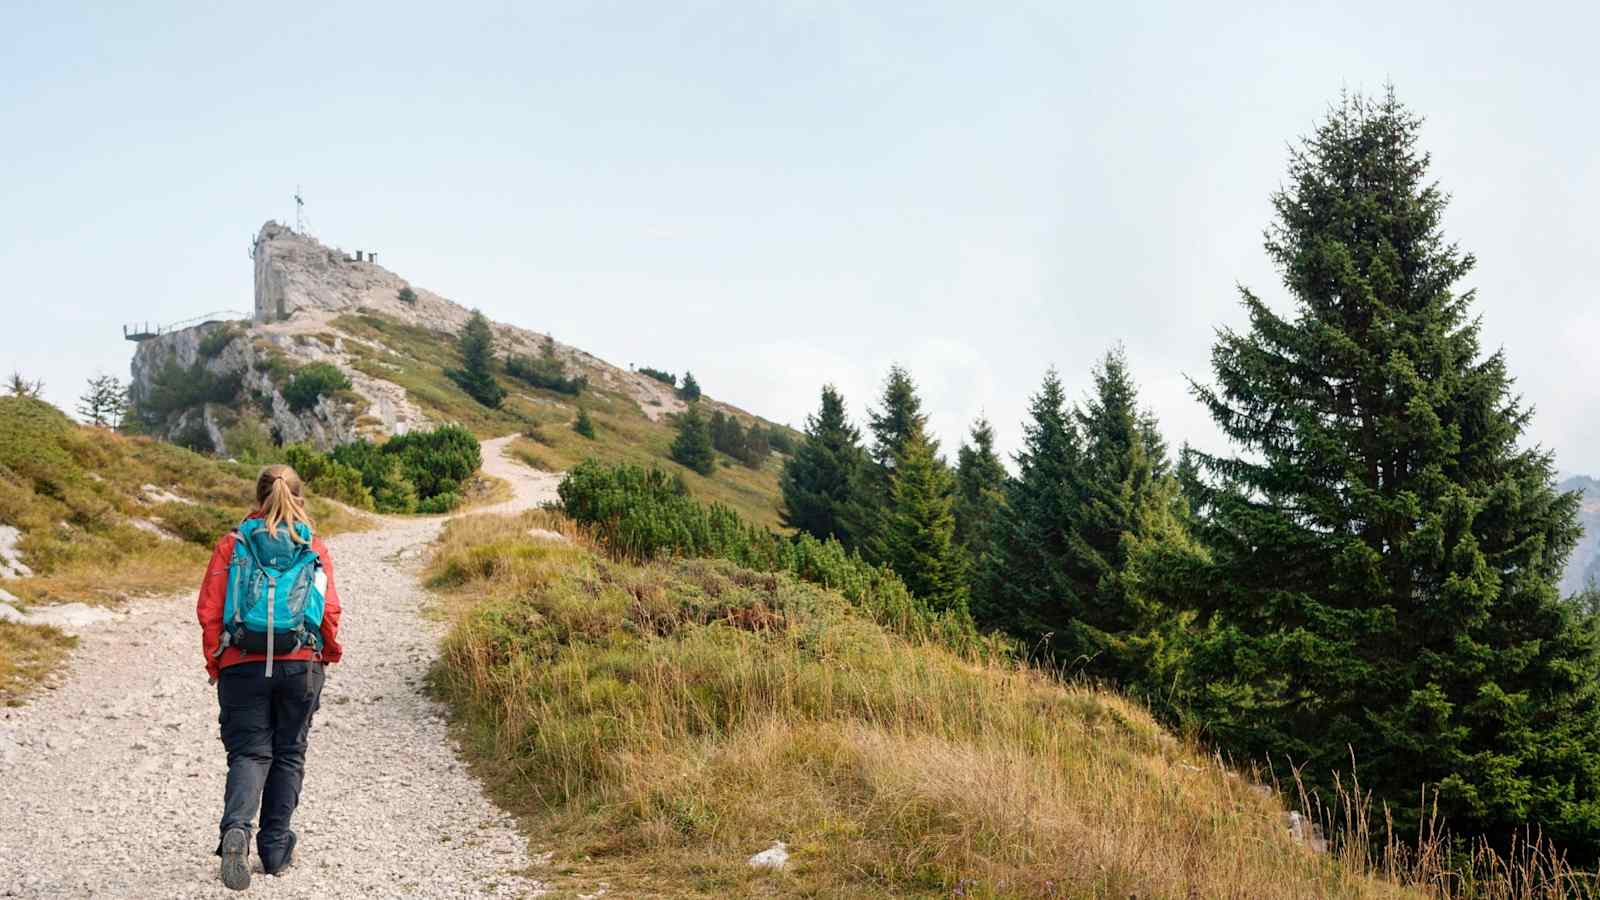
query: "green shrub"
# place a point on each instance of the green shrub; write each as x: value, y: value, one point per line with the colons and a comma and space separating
x: 407, y: 295
x: 692, y: 447
x: 174, y: 389
x: 584, y: 425
x: 197, y: 523
x: 643, y: 513
x: 778, y: 439
x: 327, y: 477
x: 547, y: 372
x: 248, y: 442
x: 346, y: 485
x: 274, y: 364
x: 392, y: 491
x: 666, y: 378
x: 690, y: 391
x: 438, y: 461
x: 420, y: 471
x: 217, y: 340
x: 439, y: 504
x: 311, y: 382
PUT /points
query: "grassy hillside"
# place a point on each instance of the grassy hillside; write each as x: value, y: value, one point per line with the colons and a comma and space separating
x: 90, y: 530
x: 658, y: 723
x: 623, y: 433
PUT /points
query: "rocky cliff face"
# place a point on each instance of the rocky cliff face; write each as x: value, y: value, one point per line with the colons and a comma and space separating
x: 194, y: 385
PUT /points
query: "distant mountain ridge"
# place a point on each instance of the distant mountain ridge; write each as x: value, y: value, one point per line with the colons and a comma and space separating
x: 1584, y: 565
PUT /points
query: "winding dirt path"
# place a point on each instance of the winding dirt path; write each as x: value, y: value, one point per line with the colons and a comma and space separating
x: 111, y: 784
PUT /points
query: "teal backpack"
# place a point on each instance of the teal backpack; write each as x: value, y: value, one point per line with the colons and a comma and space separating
x: 275, y: 592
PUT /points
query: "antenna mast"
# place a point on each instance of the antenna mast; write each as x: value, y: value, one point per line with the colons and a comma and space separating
x: 299, y: 212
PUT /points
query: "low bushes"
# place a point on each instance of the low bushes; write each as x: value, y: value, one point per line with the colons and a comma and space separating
x: 197, y: 523
x: 312, y: 382
x: 750, y: 446
x: 643, y: 514
x: 422, y: 471
x: 217, y: 340
x: 547, y: 371
x: 174, y: 389
x: 666, y: 378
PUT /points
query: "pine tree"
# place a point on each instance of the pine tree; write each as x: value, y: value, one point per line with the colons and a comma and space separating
x: 1383, y: 556
x: 980, y: 489
x: 692, y: 447
x: 919, y: 527
x: 103, y: 402
x: 476, y: 375
x: 1190, y: 482
x: 757, y: 447
x: 728, y: 436
x: 1092, y: 487
x: 898, y: 420
x: 818, y: 478
x: 690, y: 391
x: 1021, y: 586
x: 1123, y: 496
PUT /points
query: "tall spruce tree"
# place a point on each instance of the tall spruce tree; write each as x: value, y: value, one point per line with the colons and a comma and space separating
x: 476, y: 375
x: 692, y: 447
x: 1021, y: 583
x: 1383, y: 555
x: 896, y: 422
x: 919, y: 528
x: 980, y: 489
x: 818, y: 479
x: 690, y: 391
x: 1092, y: 487
x: 1124, y: 497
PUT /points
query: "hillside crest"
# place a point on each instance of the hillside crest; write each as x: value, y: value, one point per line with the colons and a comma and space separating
x: 193, y: 385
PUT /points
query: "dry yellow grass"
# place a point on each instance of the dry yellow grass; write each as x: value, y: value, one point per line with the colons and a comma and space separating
x: 28, y: 654
x: 657, y: 724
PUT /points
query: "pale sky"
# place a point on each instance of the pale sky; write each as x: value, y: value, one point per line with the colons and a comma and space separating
x: 778, y: 195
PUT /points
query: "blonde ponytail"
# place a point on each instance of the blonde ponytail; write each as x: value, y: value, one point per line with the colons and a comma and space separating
x: 279, y: 501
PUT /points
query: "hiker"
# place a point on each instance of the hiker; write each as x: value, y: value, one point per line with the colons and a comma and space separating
x: 269, y: 624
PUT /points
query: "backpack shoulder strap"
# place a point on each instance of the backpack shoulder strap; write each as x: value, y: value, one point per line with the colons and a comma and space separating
x: 241, y: 538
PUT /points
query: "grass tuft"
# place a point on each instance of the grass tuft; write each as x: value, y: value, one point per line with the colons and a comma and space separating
x: 28, y: 656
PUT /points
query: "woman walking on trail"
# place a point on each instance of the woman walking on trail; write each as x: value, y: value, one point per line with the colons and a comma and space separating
x: 269, y: 623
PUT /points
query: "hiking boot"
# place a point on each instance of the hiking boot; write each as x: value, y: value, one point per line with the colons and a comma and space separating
x: 236, y: 859
x: 288, y: 858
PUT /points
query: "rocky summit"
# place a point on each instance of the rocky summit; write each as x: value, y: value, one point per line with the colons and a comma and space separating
x: 193, y: 384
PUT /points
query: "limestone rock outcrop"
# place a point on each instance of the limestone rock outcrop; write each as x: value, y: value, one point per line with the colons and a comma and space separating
x: 195, y: 385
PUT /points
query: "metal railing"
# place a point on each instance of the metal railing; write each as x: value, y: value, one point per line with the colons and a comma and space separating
x: 143, y: 332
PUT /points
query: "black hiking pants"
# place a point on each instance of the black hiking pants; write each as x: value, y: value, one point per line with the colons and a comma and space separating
x: 265, y: 723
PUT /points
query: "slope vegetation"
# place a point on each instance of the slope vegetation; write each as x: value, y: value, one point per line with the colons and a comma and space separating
x: 659, y: 722
x: 625, y: 430
x: 96, y: 517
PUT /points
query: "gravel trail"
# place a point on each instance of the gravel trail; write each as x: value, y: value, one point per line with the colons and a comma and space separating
x: 111, y: 784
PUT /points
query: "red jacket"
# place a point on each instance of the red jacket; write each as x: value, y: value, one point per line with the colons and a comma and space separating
x: 214, y: 590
